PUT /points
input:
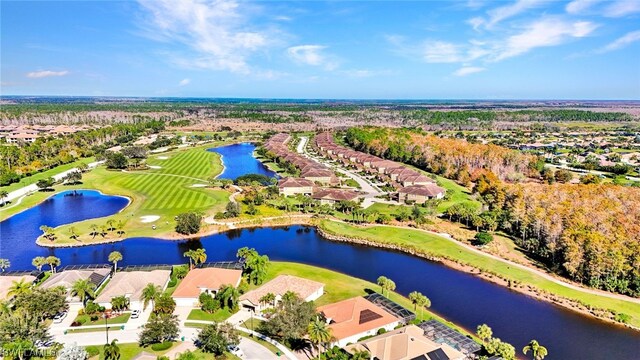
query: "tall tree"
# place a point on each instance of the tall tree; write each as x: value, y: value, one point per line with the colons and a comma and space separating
x: 319, y: 333
x: 4, y: 264
x: 53, y: 262
x: 538, y: 351
x: 114, y: 257
x: 83, y: 288
x: 149, y: 294
x: 39, y: 262
x: 112, y: 351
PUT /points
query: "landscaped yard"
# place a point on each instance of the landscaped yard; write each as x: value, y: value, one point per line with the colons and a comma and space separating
x: 85, y: 320
x: 128, y: 351
x: 220, y: 315
x: 439, y: 246
x: 339, y: 287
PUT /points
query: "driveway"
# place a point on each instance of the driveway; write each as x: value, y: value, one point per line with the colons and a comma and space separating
x: 254, y: 351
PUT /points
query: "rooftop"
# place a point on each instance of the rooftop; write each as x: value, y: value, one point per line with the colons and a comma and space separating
x: 355, y: 316
x: 132, y: 283
x: 280, y: 285
x: 206, y: 278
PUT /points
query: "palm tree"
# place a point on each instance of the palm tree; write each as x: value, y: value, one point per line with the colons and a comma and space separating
x: 484, y: 332
x: 83, y: 288
x: 537, y: 351
x: 150, y: 293
x: 111, y: 224
x: 39, y: 262
x: 164, y: 304
x: 114, y: 257
x: 119, y: 303
x: 229, y: 296
x: 111, y: 351
x: 319, y: 333
x: 268, y: 298
x: 120, y: 228
x: 4, y: 264
x: 423, y: 302
x: 73, y: 233
x: 197, y: 256
x: 382, y: 280
x: 94, y: 230
x: 21, y: 348
x: 19, y: 288
x: 3, y: 194
x: 53, y: 262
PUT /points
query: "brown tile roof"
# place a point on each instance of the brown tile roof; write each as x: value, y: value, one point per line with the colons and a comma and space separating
x: 335, y: 194
x: 416, y: 179
x: 131, y: 284
x: 280, y: 285
x: 206, y: 278
x: 429, y: 190
x: 355, y: 316
x: 289, y: 182
x: 405, y: 343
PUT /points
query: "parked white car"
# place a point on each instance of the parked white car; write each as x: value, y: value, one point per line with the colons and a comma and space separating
x: 135, y: 314
x: 59, y: 317
x: 235, y: 350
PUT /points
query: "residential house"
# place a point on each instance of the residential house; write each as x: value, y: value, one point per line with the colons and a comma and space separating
x: 130, y: 284
x: 67, y: 278
x: 420, y: 193
x: 332, y: 196
x: 355, y: 318
x: 204, y: 280
x: 291, y: 186
x: 308, y: 290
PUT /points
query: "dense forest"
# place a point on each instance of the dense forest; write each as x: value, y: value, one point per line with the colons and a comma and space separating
x: 452, y: 158
x: 48, y: 152
x: 591, y: 233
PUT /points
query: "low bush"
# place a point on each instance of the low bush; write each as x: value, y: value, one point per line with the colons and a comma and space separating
x: 92, y: 350
x: 161, y: 346
x: 483, y: 238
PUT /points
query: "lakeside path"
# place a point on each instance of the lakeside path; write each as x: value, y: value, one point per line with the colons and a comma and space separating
x: 19, y: 193
x: 541, y: 273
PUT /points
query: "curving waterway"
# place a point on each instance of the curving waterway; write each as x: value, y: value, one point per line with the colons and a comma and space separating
x: 458, y: 296
x: 238, y: 160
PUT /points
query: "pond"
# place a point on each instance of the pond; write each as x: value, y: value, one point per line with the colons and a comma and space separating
x: 459, y: 297
x: 238, y: 160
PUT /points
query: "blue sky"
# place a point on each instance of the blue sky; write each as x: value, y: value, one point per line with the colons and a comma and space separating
x: 518, y: 49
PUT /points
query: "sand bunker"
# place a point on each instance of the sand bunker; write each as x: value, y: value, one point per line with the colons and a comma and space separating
x: 199, y: 185
x: 154, y: 167
x: 149, y: 218
x: 163, y: 157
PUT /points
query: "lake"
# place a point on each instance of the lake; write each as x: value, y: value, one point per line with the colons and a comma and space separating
x: 238, y: 160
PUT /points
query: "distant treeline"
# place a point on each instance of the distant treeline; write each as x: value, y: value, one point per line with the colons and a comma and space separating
x: 45, y: 153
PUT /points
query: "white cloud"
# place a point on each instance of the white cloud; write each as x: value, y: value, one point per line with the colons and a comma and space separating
x: 312, y: 55
x: 468, y: 70
x: 622, y: 8
x: 621, y: 42
x: 496, y: 15
x: 580, y: 6
x: 217, y: 31
x: 442, y: 52
x: 184, y: 82
x: 46, y: 73
x: 542, y: 33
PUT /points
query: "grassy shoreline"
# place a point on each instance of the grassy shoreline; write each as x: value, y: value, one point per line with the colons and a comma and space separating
x: 455, y: 255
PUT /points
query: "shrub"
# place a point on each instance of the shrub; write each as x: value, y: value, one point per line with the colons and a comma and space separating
x: 161, y: 346
x: 623, y: 318
x: 92, y: 350
x: 173, y: 282
x: 92, y: 308
x: 381, y: 331
x: 483, y: 238
x: 188, y: 223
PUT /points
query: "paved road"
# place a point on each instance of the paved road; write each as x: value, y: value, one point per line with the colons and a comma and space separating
x: 254, y: 351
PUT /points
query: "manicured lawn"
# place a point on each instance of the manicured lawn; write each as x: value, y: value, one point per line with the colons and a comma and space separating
x: 339, y: 287
x: 120, y: 319
x: 438, y: 246
x: 220, y: 315
x: 252, y: 324
x: 164, y: 192
x: 129, y: 351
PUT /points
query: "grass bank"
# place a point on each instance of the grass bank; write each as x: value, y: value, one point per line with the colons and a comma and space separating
x: 429, y: 245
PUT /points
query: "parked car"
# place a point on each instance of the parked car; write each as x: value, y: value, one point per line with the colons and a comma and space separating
x: 235, y: 350
x: 59, y: 317
x: 135, y: 314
